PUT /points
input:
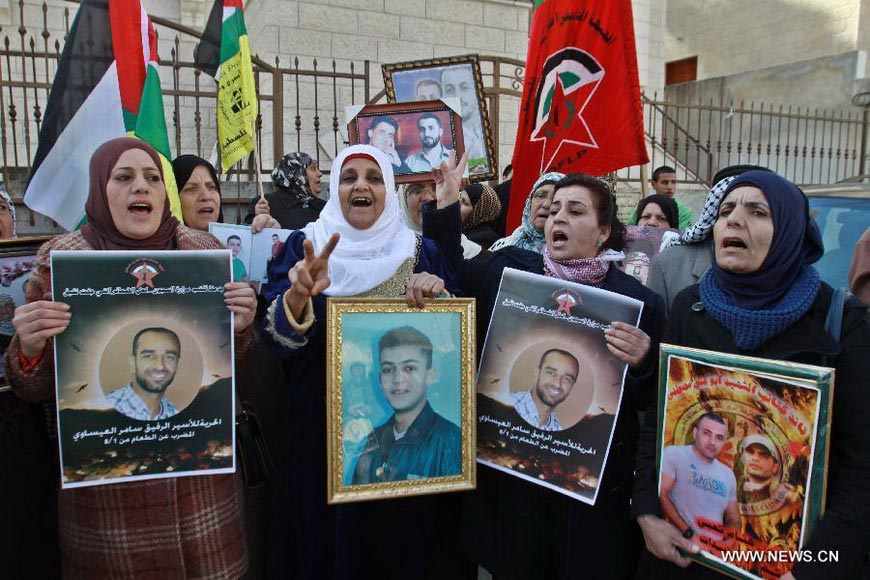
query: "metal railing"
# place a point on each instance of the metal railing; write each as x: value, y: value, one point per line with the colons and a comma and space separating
x: 808, y: 146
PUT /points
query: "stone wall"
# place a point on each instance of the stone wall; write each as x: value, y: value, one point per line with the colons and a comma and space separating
x: 734, y: 36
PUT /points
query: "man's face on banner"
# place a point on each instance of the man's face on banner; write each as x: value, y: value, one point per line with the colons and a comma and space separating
x: 156, y: 361
x: 759, y: 463
x: 556, y: 378
x: 710, y: 437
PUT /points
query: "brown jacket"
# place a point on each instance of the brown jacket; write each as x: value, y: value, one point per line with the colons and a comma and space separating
x: 189, y: 527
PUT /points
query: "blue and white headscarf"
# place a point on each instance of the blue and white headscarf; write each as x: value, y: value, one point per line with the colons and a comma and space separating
x: 526, y: 236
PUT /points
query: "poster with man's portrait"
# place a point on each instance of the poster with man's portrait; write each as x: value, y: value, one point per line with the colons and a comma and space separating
x: 400, y: 405
x: 548, y: 395
x: 266, y: 245
x: 416, y: 137
x: 17, y: 261
x: 144, y: 373
x: 444, y: 78
x: 238, y: 240
x: 742, y: 454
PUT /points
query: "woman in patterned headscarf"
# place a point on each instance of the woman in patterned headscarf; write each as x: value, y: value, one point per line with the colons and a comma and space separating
x: 295, y: 202
x: 530, y: 235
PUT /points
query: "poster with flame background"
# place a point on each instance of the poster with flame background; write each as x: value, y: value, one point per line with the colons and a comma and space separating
x: 777, y: 415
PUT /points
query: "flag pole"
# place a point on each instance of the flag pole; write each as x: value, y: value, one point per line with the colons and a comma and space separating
x: 257, y: 173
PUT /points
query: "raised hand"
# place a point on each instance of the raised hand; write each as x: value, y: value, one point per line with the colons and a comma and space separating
x: 262, y: 207
x: 36, y: 322
x: 423, y: 285
x: 448, y: 179
x: 308, y: 277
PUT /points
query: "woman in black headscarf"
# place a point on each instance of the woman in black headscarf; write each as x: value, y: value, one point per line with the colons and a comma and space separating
x: 199, y: 190
x: 762, y: 297
x: 295, y: 202
x: 657, y: 211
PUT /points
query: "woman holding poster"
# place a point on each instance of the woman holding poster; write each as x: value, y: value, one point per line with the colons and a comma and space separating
x: 144, y: 528
x: 518, y: 530
x: 763, y: 298
x: 359, y: 246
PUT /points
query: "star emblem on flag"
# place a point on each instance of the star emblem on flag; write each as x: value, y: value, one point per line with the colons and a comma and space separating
x: 573, y: 77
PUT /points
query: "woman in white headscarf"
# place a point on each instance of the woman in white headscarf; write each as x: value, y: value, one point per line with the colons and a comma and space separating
x: 359, y: 246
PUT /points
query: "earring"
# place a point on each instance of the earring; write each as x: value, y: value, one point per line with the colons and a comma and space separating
x: 598, y: 244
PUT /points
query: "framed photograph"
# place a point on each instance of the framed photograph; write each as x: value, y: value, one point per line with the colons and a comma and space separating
x: 642, y: 244
x: 415, y: 136
x: 453, y: 77
x: 548, y: 395
x: 742, y: 454
x: 17, y: 261
x: 399, y: 398
x: 144, y: 374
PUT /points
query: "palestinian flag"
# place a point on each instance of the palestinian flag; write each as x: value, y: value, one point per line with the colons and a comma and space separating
x: 106, y: 86
x: 225, y: 53
x: 581, y: 108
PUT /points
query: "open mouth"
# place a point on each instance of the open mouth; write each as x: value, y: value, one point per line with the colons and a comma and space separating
x: 400, y: 392
x: 361, y: 201
x: 206, y: 211
x: 140, y: 208
x: 734, y: 243
x: 559, y: 238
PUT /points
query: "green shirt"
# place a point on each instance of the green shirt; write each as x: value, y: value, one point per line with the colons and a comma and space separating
x: 240, y: 274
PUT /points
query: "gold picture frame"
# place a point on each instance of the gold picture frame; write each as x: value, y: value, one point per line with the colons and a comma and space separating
x: 399, y: 78
x: 17, y: 262
x: 362, y: 416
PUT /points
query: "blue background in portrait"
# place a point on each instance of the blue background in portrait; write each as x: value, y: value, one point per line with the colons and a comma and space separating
x: 360, y: 335
x: 405, y: 82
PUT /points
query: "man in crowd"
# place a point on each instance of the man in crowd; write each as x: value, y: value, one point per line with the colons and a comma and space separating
x: 555, y: 377
x: 415, y: 442
x: 698, y: 492
x: 154, y: 362
x: 432, y: 151
x: 382, y: 135
x: 664, y: 182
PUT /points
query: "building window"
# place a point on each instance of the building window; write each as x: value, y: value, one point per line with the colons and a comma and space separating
x: 681, y: 71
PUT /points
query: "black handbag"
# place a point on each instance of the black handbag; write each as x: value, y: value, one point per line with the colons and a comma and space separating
x: 253, y: 458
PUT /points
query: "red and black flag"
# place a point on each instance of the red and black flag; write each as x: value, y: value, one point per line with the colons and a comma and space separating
x: 581, y: 109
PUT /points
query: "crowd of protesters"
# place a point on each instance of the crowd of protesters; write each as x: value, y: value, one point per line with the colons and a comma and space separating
x: 739, y: 279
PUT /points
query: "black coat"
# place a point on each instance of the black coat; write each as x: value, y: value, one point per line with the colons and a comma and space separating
x: 291, y: 213
x: 520, y: 530
x: 845, y: 526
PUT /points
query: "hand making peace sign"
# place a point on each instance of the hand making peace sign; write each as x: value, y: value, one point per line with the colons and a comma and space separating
x: 309, y: 276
